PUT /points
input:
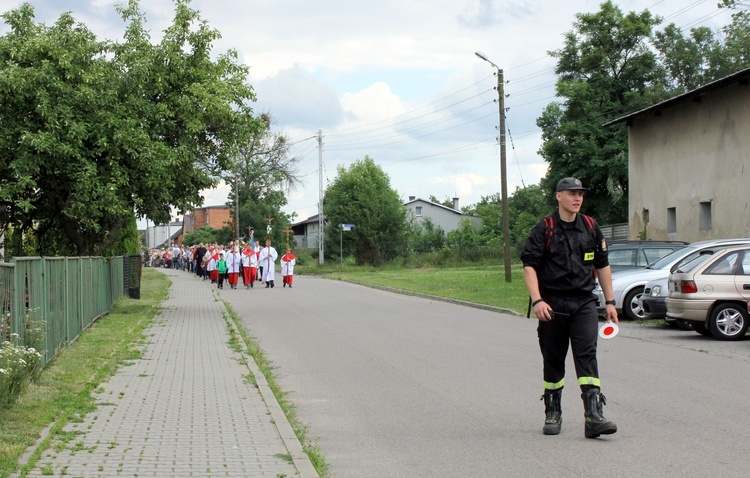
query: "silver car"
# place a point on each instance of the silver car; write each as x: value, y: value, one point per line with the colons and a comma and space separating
x: 629, y: 285
x: 712, y: 293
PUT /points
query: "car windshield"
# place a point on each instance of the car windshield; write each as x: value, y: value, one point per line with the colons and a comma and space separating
x: 667, y: 260
x: 690, y: 262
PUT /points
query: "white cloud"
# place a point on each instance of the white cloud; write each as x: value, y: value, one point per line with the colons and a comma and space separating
x: 392, y: 79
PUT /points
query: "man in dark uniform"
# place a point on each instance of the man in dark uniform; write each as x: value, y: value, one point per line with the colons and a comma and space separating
x: 559, y: 259
x: 199, y: 253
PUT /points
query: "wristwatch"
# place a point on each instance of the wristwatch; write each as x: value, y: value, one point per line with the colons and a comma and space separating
x: 610, y: 302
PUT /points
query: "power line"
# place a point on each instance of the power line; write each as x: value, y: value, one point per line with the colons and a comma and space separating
x: 399, y: 133
x: 383, y: 132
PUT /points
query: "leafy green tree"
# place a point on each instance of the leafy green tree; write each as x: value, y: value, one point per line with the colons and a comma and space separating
x: 362, y: 195
x: 526, y: 207
x: 127, y: 240
x: 465, y: 241
x: 425, y: 236
x: 95, y: 132
x: 735, y: 52
x: 605, y: 69
x: 262, y: 173
x: 686, y: 59
x: 205, y: 235
x: 704, y: 56
x: 739, y: 5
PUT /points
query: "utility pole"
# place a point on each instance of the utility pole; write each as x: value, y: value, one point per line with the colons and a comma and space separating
x: 320, y: 197
x: 503, y: 171
x: 236, y: 206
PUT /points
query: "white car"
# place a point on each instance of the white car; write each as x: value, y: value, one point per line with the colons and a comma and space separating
x: 629, y: 285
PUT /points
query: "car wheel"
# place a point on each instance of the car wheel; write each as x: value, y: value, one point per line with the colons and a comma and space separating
x: 728, y: 322
x: 701, y: 328
x: 631, y: 307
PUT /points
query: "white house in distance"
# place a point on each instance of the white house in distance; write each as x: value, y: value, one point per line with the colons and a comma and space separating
x: 689, y: 164
x: 449, y: 219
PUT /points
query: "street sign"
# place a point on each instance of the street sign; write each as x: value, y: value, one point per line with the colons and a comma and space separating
x: 347, y: 227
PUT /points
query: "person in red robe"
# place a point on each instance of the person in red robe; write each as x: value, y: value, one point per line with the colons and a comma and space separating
x: 287, y: 267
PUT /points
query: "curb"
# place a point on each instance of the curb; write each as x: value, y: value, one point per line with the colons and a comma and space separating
x: 291, y: 442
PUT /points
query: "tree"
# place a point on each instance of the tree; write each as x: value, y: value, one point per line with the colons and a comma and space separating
x: 205, y: 235
x: 605, y: 69
x: 425, y: 236
x: 704, y: 56
x: 261, y: 174
x: 93, y: 133
x: 362, y: 195
x: 686, y: 59
x: 735, y: 52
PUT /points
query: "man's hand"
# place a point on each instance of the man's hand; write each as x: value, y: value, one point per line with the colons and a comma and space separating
x: 543, y: 311
x: 611, y: 312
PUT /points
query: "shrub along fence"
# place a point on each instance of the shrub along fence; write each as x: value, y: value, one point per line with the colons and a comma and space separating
x: 62, y: 295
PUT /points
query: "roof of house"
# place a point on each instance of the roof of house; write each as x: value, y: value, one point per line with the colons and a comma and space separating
x: 314, y: 219
x: 221, y: 206
x: 456, y: 211
x: 740, y: 77
x: 309, y: 220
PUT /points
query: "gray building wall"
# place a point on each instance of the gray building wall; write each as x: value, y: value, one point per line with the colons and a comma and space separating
x: 306, y: 233
x: 448, y: 219
x: 158, y: 235
x: 691, y: 164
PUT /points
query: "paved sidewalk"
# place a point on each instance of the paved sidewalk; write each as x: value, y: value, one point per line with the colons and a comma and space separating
x: 184, y: 409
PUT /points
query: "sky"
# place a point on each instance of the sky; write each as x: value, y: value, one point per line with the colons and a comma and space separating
x: 394, y: 80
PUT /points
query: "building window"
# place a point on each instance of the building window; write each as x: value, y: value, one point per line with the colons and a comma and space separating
x: 705, y: 208
x: 672, y: 220
x: 419, y: 210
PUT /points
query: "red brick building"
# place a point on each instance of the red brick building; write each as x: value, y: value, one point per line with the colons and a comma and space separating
x: 213, y: 216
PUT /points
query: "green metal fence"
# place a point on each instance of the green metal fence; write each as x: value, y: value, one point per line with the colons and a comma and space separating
x: 63, y: 295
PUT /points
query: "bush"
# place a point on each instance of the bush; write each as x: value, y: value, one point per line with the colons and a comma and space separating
x: 19, y: 364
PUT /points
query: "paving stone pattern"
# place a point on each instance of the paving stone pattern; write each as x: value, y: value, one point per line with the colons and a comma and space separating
x: 184, y: 409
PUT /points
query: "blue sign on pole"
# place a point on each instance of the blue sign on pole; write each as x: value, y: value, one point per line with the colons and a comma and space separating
x: 347, y: 227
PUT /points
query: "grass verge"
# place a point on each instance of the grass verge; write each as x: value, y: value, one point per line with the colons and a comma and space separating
x: 63, y: 392
x: 478, y: 284
x: 311, y: 448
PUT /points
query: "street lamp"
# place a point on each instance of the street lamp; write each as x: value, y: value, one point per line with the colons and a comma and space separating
x: 503, y: 174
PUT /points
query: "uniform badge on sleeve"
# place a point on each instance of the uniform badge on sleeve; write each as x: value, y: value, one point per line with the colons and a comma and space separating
x: 604, y: 244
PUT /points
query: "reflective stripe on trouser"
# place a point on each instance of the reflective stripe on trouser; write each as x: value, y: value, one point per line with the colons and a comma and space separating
x: 577, y: 330
x: 554, y: 386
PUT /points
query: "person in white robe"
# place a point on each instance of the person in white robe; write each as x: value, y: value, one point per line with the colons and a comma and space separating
x: 267, y: 261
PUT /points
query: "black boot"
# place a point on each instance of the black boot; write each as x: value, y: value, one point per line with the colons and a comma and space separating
x: 271, y: 284
x: 552, y: 411
x: 596, y: 424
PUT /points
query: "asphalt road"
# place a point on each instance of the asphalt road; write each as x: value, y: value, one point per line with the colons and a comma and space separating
x: 399, y: 386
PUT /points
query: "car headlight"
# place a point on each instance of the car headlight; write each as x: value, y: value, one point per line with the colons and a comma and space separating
x: 656, y: 291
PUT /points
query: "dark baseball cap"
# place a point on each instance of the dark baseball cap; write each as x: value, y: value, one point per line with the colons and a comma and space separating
x: 571, y: 184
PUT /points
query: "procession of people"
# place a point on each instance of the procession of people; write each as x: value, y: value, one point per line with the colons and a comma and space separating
x: 226, y: 263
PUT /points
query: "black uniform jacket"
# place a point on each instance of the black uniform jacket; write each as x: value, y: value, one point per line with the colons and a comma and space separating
x: 566, y: 267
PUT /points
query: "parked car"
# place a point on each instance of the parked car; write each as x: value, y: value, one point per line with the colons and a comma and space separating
x: 629, y: 285
x: 625, y: 255
x: 712, y: 293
